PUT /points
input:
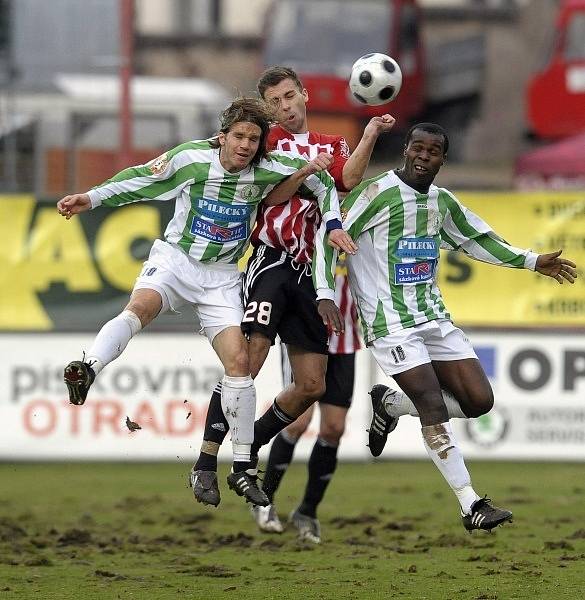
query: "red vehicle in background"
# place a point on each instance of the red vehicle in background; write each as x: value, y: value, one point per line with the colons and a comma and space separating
x: 321, y: 41
x: 556, y: 95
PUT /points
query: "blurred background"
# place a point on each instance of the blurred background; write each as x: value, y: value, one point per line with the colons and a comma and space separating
x: 88, y: 88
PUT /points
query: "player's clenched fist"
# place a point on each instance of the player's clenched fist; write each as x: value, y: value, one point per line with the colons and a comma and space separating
x: 73, y: 205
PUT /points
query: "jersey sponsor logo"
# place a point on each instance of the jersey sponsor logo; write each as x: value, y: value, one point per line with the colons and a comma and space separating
x: 158, y: 165
x: 217, y: 233
x: 418, y: 247
x: 417, y: 272
x: 222, y: 211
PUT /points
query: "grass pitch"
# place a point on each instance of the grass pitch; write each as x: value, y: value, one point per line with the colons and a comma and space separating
x: 390, y: 530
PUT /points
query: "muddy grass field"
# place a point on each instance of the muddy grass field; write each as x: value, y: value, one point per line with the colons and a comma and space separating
x: 390, y: 530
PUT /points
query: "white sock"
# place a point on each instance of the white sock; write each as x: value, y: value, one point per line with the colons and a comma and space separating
x: 112, y: 339
x: 444, y: 452
x: 238, y: 401
x: 398, y: 404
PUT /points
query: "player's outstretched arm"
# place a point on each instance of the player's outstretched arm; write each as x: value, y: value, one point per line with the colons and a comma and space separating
x: 73, y: 205
x: 558, y: 268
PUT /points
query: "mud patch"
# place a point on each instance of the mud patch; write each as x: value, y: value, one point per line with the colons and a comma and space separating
x: 240, y: 540
x: 75, y: 537
x: 214, y: 571
x: 398, y: 526
x: 577, y: 535
x: 10, y: 530
x: 39, y: 561
x: 560, y: 545
x: 132, y: 503
x: 189, y: 519
x: 270, y: 545
x: 363, y: 519
x: 109, y: 575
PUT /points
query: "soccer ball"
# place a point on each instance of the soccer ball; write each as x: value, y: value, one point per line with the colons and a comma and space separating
x: 375, y: 79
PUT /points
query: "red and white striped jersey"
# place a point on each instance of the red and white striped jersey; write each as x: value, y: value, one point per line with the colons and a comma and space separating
x: 349, y: 341
x: 291, y: 226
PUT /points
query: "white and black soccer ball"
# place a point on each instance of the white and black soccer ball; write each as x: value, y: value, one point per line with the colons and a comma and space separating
x: 375, y: 79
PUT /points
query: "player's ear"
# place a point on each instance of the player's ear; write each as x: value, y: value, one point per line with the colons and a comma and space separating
x: 221, y: 138
x: 305, y: 95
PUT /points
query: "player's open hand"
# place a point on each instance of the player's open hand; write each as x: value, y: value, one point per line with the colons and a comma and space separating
x: 321, y: 162
x: 73, y: 205
x: 558, y: 268
x: 331, y: 316
x: 340, y: 240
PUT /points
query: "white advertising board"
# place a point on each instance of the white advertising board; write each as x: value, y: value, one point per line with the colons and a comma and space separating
x: 163, y: 382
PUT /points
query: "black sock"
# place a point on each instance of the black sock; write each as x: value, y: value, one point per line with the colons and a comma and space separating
x: 239, y: 466
x: 281, y: 454
x: 206, y: 462
x: 216, y: 428
x: 272, y: 422
x: 321, y: 467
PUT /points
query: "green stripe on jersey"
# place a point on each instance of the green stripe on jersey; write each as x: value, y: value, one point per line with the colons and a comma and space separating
x: 195, y: 192
x: 227, y: 192
x: 380, y: 326
x: 396, y: 226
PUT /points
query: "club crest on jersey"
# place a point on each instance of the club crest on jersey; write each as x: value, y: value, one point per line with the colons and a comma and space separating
x: 158, y: 165
x: 415, y: 272
x: 250, y: 192
x: 217, y: 233
x: 222, y: 211
x: 417, y: 247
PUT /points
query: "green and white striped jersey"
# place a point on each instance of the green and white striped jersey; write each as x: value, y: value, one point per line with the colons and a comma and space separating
x: 399, y: 232
x: 215, y: 210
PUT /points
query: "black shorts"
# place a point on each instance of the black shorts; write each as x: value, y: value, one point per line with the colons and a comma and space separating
x: 280, y: 299
x: 339, y: 378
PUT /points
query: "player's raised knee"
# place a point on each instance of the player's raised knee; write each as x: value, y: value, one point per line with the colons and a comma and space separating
x: 481, y: 403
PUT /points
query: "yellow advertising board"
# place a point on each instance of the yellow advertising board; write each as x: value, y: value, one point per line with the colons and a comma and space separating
x: 484, y: 295
x: 59, y: 275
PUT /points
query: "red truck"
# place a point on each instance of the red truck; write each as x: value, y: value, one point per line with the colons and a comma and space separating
x: 556, y: 94
x: 321, y: 40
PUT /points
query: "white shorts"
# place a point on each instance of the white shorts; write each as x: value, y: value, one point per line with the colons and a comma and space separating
x: 436, y: 340
x: 214, y: 290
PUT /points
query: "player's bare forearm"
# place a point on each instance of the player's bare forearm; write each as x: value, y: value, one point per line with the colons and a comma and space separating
x: 552, y: 265
x: 356, y: 165
x: 290, y: 186
x: 285, y: 190
x: 73, y: 205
